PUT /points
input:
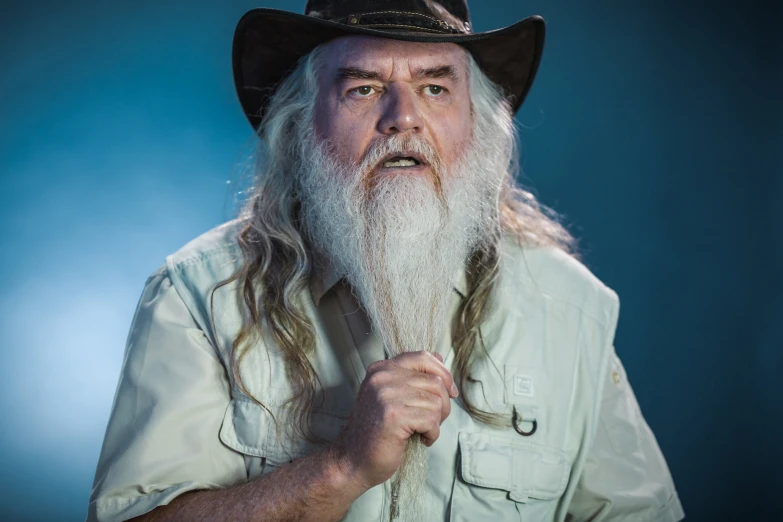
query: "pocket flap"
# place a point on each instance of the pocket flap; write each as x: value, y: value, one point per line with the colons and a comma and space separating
x: 524, y: 469
x: 250, y: 429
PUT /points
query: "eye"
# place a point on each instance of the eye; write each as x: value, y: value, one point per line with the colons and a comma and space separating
x: 434, y: 90
x: 363, y: 91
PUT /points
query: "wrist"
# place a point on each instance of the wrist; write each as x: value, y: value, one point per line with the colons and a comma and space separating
x: 343, y: 475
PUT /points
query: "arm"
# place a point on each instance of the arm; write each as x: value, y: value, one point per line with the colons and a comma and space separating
x: 161, y: 439
x: 625, y: 477
x: 314, y: 488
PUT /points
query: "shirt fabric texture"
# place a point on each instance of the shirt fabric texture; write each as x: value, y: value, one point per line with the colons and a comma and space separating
x: 179, y: 421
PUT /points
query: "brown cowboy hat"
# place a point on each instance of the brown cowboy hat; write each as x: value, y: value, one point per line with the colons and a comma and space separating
x: 269, y: 42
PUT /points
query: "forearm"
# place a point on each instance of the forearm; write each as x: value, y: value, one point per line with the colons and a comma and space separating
x: 313, y: 488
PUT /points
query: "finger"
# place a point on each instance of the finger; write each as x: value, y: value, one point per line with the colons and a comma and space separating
x: 427, y: 390
x: 426, y: 362
x: 424, y: 422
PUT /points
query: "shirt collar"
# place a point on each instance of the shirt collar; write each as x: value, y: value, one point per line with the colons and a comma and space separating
x: 323, y: 278
x: 325, y: 275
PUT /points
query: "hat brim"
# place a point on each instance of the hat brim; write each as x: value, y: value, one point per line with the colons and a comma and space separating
x: 269, y: 42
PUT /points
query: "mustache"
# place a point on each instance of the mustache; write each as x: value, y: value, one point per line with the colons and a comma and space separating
x: 383, y: 149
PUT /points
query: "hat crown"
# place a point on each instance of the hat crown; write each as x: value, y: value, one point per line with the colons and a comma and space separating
x: 452, y: 15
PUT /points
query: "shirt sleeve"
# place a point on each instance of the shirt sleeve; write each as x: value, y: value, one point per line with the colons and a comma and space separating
x: 162, y: 437
x: 625, y: 476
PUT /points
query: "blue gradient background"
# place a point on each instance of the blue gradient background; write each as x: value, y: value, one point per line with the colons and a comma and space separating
x: 654, y: 127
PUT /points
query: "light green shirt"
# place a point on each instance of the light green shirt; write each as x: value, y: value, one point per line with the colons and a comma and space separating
x: 180, y: 423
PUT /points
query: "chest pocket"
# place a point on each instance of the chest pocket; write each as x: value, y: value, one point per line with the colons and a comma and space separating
x: 500, y: 478
x: 250, y: 429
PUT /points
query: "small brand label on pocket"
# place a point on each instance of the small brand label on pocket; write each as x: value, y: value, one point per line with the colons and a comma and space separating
x: 523, y: 386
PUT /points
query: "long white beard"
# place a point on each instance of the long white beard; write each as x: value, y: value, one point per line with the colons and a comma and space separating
x: 400, y: 243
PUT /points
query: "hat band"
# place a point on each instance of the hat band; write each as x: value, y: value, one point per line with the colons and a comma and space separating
x: 402, y: 20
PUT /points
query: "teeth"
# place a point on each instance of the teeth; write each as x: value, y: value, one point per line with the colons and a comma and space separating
x: 403, y: 162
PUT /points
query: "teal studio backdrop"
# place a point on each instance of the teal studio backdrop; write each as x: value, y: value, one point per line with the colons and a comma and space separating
x: 653, y: 126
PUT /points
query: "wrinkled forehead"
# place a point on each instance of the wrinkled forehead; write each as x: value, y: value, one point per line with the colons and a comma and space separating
x: 391, y: 57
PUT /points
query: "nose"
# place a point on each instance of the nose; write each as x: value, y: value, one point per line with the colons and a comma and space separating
x: 400, y: 112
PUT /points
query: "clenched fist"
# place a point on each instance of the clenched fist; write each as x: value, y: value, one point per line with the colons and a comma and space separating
x: 408, y: 394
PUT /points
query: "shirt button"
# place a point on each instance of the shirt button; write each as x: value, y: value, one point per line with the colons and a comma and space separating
x: 616, y: 377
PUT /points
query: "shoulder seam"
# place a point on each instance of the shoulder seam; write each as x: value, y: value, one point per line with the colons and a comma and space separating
x: 200, y: 256
x: 581, y: 308
x: 174, y: 273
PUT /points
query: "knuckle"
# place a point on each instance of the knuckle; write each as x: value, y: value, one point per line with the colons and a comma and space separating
x: 434, y: 381
x: 421, y: 354
x: 375, y: 379
x: 390, y: 414
x: 384, y: 395
x: 375, y: 367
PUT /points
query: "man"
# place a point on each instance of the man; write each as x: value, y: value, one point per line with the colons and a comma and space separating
x: 390, y: 330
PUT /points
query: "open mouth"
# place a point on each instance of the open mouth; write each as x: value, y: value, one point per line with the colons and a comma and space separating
x: 399, y: 161
x: 403, y: 160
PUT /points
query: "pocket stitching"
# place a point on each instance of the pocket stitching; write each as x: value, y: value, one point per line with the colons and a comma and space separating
x: 266, y: 443
x: 518, y: 491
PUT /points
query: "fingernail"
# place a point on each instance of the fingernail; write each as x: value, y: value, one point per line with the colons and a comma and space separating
x: 454, y: 390
x: 439, y: 357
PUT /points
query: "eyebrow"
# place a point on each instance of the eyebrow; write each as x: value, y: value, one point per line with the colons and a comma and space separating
x: 442, y: 71
x: 356, y: 73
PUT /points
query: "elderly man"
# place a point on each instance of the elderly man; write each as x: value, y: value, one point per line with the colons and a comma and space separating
x: 391, y: 330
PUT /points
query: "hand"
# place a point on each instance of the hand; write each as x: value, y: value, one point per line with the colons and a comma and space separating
x: 408, y: 394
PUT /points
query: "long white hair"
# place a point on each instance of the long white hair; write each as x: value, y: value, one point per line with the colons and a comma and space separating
x: 278, y: 255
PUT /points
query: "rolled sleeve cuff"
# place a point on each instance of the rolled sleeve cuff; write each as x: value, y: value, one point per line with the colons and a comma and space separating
x: 119, y: 508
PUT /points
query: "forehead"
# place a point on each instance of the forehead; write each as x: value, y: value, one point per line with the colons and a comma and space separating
x: 391, y: 55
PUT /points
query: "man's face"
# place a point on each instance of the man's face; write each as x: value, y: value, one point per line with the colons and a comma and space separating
x: 371, y: 88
